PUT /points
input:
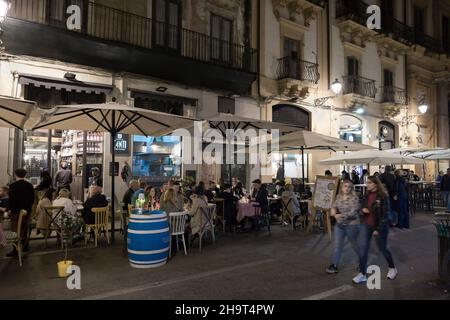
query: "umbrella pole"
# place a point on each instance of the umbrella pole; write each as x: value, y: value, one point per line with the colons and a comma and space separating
x: 282, y: 164
x: 113, y: 159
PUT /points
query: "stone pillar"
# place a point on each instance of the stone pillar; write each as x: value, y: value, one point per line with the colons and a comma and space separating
x: 442, y: 116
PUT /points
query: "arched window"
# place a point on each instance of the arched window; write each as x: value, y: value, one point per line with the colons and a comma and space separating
x: 291, y: 115
x: 386, y: 135
x: 350, y: 128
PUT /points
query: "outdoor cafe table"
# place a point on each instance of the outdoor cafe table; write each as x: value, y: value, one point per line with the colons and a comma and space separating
x: 247, y: 210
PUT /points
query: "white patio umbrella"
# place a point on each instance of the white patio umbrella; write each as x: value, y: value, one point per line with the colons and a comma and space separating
x: 113, y: 118
x: 223, y: 122
x: 435, y: 154
x: 14, y: 113
x: 308, y: 142
x: 371, y: 157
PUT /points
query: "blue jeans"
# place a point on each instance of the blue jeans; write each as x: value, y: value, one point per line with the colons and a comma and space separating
x: 445, y: 195
x: 340, y: 232
x: 381, y: 240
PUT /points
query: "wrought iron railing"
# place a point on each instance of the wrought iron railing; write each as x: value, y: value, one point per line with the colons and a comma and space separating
x: 394, y: 95
x: 355, y: 10
x: 352, y: 10
x: 289, y: 68
x: 115, y: 25
x: 359, y: 85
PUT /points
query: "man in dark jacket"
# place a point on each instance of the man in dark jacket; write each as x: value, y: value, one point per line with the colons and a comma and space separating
x: 260, y: 195
x: 445, y: 188
x: 126, y: 200
x: 229, y: 206
x: 21, y: 197
x: 63, y: 178
x: 97, y: 200
x: 388, y: 179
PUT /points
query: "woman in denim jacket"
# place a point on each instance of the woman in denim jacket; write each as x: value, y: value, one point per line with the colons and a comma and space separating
x: 375, y: 222
x: 346, y: 209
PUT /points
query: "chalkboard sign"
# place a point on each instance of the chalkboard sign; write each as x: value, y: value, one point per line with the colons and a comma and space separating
x: 325, y: 191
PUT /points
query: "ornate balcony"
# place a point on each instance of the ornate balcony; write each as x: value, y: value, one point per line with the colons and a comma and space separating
x: 360, y: 86
x: 298, y: 70
x: 394, y: 95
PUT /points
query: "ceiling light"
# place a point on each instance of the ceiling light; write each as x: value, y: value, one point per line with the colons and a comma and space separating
x: 161, y: 89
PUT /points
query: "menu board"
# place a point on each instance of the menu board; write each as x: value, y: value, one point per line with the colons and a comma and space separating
x: 325, y: 192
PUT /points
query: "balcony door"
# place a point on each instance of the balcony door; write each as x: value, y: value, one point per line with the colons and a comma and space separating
x: 167, y: 17
x: 446, y: 34
x: 353, y: 85
x: 292, y: 57
x: 419, y: 19
x: 221, y: 38
x: 387, y: 6
x: 388, y: 92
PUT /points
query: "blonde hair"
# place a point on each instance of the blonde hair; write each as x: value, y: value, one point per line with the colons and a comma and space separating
x: 169, y: 196
x: 64, y: 193
x: 352, y: 188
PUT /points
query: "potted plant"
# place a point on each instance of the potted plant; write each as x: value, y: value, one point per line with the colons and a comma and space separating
x: 71, y: 228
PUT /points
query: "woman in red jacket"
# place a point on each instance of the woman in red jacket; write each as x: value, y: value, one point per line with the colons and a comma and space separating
x: 375, y: 223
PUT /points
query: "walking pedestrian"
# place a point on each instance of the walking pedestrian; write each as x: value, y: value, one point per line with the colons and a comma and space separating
x: 401, y: 205
x: 346, y: 209
x: 375, y: 223
x: 445, y: 188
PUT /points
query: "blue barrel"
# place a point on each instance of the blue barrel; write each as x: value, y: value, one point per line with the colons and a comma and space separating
x: 148, y: 239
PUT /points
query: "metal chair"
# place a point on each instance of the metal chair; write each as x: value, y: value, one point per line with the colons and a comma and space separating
x: 177, y: 228
x: 14, y: 238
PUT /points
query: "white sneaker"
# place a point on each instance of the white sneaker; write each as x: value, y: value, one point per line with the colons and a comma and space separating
x: 360, y: 278
x: 392, y: 274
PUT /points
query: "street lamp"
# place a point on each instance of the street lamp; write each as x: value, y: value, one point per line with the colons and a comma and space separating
x: 336, y: 87
x: 423, y: 108
x: 4, y: 7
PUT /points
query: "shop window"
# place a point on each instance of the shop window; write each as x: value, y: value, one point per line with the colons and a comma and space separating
x: 350, y: 128
x: 156, y: 159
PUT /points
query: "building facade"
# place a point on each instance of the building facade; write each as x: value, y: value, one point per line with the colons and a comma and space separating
x: 268, y: 59
x: 180, y: 57
x: 386, y: 74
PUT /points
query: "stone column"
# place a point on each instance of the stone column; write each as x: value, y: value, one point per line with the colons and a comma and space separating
x: 443, y: 116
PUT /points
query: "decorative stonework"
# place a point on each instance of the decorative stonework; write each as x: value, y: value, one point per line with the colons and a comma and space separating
x: 296, y: 8
x: 226, y: 4
x: 355, y: 33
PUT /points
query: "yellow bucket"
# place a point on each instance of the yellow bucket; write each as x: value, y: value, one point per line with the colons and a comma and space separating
x: 62, y: 268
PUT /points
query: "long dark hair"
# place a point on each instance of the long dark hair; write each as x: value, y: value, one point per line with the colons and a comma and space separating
x: 381, y: 190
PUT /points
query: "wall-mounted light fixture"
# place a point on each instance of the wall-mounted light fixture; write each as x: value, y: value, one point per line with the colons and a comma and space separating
x: 336, y: 88
x: 70, y: 76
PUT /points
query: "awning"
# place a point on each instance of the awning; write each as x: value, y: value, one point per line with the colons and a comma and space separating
x: 60, y: 84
